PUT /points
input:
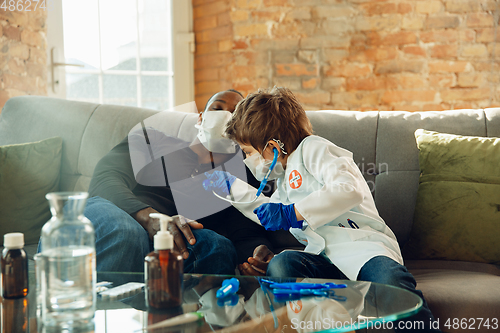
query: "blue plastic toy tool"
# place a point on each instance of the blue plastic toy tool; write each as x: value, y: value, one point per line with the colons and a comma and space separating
x: 229, y: 287
x: 296, y: 290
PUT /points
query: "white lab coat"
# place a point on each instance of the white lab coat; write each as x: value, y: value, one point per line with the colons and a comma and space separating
x: 331, y: 194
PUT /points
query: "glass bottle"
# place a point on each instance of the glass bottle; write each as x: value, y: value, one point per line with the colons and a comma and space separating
x: 163, y: 270
x: 67, y: 259
x: 14, y: 266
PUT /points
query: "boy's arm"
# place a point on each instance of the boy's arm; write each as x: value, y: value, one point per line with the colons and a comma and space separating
x: 342, y: 189
x: 243, y: 192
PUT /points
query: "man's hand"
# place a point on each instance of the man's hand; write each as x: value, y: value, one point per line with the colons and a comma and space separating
x: 219, y: 181
x: 257, y: 265
x: 179, y: 227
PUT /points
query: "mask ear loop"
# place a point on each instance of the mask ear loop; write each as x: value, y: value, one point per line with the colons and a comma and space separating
x: 262, y: 183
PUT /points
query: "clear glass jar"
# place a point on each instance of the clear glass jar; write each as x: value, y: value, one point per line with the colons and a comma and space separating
x: 67, y: 271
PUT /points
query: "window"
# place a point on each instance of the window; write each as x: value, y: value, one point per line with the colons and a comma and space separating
x: 124, y: 52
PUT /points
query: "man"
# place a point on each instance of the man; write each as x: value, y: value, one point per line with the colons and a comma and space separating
x: 122, y: 200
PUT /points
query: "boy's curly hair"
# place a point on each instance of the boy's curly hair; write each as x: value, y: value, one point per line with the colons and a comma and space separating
x: 269, y: 114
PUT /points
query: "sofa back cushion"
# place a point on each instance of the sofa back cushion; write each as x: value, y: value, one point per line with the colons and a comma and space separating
x: 383, y: 143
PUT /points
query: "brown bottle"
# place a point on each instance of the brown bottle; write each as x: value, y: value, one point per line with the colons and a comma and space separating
x: 14, y: 266
x: 163, y: 270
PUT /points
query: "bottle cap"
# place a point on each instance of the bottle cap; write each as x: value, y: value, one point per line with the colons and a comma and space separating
x: 13, y: 240
x: 163, y: 239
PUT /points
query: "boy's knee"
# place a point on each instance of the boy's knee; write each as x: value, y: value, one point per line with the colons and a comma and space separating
x: 285, y: 264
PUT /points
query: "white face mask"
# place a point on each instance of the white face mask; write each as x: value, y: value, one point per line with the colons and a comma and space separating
x: 259, y: 167
x: 210, y: 132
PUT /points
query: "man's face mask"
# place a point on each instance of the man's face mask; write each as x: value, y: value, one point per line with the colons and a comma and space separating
x: 211, y: 129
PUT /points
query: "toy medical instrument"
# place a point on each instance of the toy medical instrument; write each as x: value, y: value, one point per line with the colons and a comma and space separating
x: 229, y: 287
x: 295, y: 290
x: 262, y: 183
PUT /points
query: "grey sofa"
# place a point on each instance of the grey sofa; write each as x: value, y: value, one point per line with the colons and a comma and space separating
x: 383, y: 144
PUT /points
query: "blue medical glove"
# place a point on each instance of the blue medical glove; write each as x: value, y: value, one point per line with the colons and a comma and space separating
x: 275, y: 216
x: 219, y: 181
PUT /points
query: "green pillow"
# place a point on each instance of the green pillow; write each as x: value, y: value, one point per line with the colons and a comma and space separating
x: 28, y: 172
x: 457, y: 214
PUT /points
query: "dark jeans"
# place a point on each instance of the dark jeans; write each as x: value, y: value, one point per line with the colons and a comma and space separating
x: 379, y: 269
x: 122, y: 243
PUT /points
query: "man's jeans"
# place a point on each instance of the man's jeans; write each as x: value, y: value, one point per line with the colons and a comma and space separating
x: 379, y: 269
x: 122, y: 243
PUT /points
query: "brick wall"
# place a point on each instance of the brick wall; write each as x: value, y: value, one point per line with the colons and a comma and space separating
x: 23, y: 59
x: 352, y: 54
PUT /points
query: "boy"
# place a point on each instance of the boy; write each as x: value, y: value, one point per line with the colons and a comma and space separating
x: 321, y: 198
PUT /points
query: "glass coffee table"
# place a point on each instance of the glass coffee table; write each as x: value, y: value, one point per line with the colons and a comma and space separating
x: 360, y: 305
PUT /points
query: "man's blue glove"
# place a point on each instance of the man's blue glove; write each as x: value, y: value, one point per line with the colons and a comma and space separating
x: 275, y: 216
x: 219, y: 181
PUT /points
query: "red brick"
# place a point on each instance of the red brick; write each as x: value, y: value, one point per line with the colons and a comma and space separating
x: 442, y: 22
x: 470, y: 80
x: 261, y: 15
x: 310, y: 83
x: 439, y: 36
x: 463, y: 6
x: 207, y: 48
x: 239, y: 15
x: 204, y: 23
x: 378, y: 8
x: 240, y: 44
x: 206, y: 87
x: 480, y: 20
x: 33, y: 38
x: 399, y: 66
x: 258, y: 29
x: 280, y: 3
x: 435, y: 107
x: 22, y: 83
x: 444, y: 51
x: 467, y: 35
x: 398, y: 96
x: 377, y: 23
x: 19, y: 50
x: 411, y: 81
x: 428, y: 7
x: 371, y: 83
x: 347, y: 70
x: 442, y: 80
x: 16, y: 66
x: 225, y: 45
x: 405, y: 8
x: 356, y: 99
x: 296, y: 69
x: 465, y: 94
x: 36, y: 70
x: 463, y: 105
x: 488, y: 35
x: 212, y: 60
x: 214, y: 34
x: 375, y: 54
x: 209, y: 9
x: 316, y: 97
x: 12, y: 32
x: 415, y: 50
x: 447, y: 66
x: 245, y: 87
x: 474, y: 50
x: 397, y: 38
x: 207, y: 74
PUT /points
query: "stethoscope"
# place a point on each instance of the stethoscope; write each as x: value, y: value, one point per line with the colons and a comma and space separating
x: 262, y: 183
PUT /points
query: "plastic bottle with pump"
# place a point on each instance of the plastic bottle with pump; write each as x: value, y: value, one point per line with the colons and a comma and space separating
x: 163, y: 269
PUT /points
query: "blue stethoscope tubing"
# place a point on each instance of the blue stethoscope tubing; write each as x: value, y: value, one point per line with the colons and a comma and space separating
x: 262, y: 183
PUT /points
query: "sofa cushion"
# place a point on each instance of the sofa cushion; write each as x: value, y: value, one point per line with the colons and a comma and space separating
x: 457, y: 215
x: 28, y: 172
